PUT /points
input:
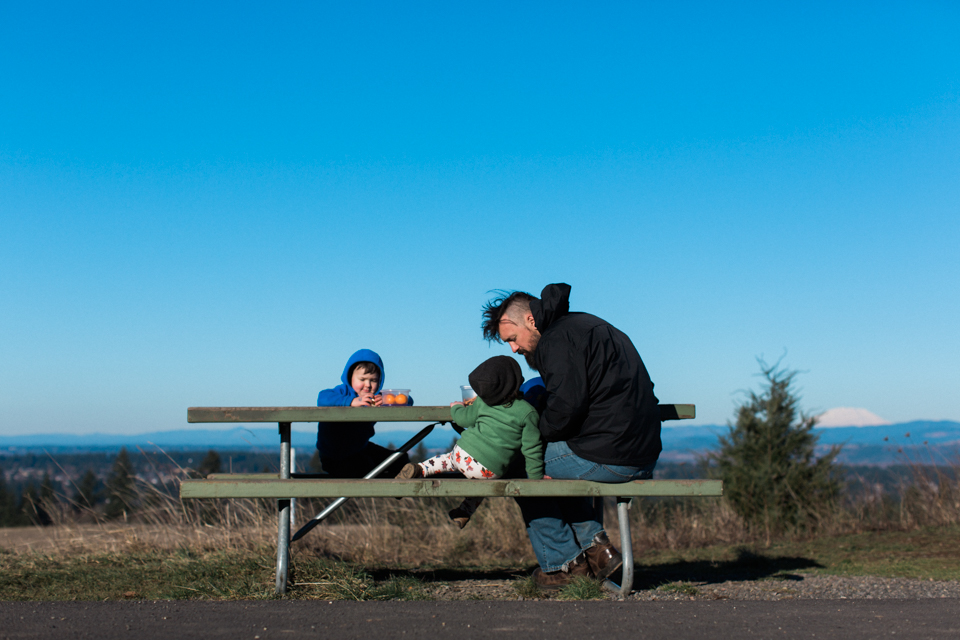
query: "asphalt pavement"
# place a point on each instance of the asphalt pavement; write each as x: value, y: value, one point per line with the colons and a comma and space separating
x: 290, y: 620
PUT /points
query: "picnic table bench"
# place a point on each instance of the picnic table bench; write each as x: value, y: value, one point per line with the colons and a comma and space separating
x: 285, y: 485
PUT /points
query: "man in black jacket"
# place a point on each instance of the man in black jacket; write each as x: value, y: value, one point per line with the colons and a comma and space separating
x: 601, y: 423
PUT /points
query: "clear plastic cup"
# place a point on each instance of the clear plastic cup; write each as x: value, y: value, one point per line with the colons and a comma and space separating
x: 467, y: 392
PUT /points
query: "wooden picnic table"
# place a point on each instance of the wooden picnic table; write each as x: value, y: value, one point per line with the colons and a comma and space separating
x: 283, y: 486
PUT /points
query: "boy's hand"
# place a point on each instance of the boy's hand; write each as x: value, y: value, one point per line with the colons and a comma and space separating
x: 469, y: 402
x: 365, y: 400
x: 378, y: 400
x: 456, y: 404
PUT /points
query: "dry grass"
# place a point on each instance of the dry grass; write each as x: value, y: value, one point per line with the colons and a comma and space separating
x: 673, y: 524
x: 120, y: 537
x: 376, y: 549
x: 388, y: 532
x: 418, y: 533
x: 928, y: 497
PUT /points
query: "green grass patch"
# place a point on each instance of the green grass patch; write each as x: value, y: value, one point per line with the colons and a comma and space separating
x: 398, y: 588
x: 927, y: 553
x: 923, y: 554
x: 160, y: 576
x: 681, y: 588
x: 186, y: 575
x: 527, y: 588
x: 249, y: 575
x: 581, y: 588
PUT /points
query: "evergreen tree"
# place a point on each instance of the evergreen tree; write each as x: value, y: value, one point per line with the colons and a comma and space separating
x: 420, y: 453
x: 45, y: 501
x: 88, y: 491
x: 8, y: 505
x: 121, y: 496
x: 767, y: 461
x: 46, y: 488
x: 27, y: 509
x: 210, y: 464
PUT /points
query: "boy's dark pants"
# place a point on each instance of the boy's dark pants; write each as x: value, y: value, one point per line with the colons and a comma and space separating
x: 360, y: 464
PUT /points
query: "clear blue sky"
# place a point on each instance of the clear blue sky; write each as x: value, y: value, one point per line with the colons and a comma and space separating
x: 215, y: 204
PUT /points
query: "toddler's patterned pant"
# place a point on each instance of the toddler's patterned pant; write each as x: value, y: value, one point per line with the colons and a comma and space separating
x: 459, y: 460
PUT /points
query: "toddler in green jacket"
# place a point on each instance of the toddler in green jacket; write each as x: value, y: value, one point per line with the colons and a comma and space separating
x: 500, y: 426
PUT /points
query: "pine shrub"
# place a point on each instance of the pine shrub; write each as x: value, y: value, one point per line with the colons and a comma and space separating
x: 772, y: 476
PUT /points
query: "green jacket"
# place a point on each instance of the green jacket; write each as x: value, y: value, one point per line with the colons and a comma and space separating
x: 496, y: 435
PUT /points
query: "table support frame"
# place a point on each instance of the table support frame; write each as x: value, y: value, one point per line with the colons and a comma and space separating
x: 284, y: 416
x: 283, y: 509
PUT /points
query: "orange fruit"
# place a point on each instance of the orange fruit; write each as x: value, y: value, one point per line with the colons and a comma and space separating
x: 389, y: 398
x: 400, y: 398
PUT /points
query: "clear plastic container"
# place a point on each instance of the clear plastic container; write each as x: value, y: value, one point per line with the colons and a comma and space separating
x: 467, y: 392
x: 395, y: 397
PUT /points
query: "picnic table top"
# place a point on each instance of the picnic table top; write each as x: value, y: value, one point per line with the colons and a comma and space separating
x: 362, y: 414
x: 318, y: 414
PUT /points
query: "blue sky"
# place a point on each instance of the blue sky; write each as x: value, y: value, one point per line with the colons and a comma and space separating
x: 211, y: 204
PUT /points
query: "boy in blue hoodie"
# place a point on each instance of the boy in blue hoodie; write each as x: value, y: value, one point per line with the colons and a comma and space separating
x: 345, y: 447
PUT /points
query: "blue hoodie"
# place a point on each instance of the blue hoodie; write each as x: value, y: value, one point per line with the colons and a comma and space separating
x: 338, y: 440
x: 535, y: 393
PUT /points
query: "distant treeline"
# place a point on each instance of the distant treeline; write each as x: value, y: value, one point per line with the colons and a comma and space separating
x: 857, y: 480
x: 102, y: 485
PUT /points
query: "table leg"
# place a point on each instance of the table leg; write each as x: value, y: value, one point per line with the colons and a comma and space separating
x: 626, y: 546
x: 283, y: 507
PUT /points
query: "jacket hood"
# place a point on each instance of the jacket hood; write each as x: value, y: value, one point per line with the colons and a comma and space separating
x: 496, y: 380
x: 363, y: 355
x: 554, y: 302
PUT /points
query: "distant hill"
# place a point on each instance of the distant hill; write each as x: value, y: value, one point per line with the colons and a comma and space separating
x: 919, y: 441
x: 258, y: 437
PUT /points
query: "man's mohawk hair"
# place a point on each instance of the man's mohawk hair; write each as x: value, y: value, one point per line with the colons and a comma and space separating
x: 495, y: 309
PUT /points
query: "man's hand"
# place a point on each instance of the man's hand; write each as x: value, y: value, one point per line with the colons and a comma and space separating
x: 456, y: 404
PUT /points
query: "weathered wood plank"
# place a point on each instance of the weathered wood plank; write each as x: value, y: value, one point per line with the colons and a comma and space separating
x: 433, y: 488
x: 243, y: 476
x: 677, y: 412
x: 363, y: 414
x: 318, y: 414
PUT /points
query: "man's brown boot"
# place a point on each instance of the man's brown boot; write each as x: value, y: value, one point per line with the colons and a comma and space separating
x: 603, y: 558
x: 556, y: 579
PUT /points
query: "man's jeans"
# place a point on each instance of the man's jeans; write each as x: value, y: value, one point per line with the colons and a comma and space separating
x: 561, y: 528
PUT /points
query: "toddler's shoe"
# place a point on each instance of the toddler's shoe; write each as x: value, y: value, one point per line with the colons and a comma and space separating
x: 410, y: 471
x: 459, y: 516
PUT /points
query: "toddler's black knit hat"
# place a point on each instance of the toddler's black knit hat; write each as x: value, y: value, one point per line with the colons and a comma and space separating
x: 496, y: 380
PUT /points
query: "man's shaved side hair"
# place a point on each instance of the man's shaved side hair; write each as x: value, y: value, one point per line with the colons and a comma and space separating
x: 515, y: 305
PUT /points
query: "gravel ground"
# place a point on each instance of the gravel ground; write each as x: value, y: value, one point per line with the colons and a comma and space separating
x: 796, y: 586
x: 808, y: 587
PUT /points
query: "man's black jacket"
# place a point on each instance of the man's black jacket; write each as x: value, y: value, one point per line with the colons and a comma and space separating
x: 599, y: 396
